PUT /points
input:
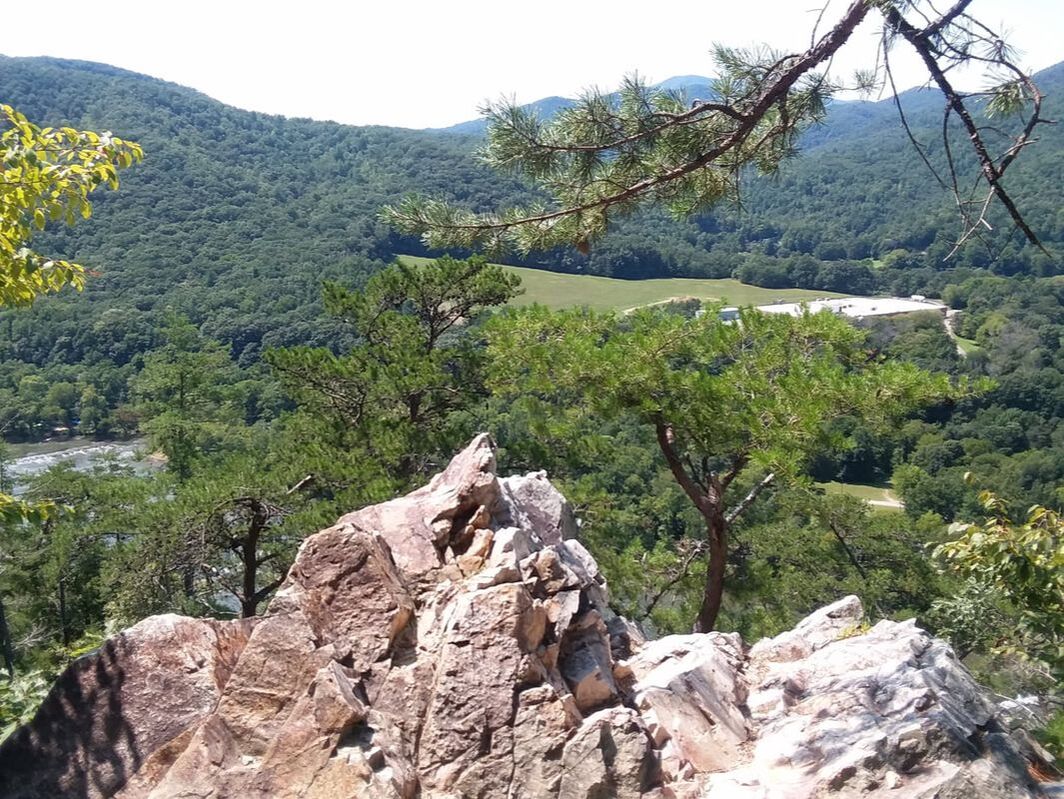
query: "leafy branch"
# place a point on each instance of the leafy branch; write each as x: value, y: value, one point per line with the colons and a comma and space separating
x: 46, y: 175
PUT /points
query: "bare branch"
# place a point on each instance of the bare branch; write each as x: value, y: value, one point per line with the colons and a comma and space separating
x: 748, y: 500
x: 693, y: 554
x: 300, y: 485
x: 991, y: 171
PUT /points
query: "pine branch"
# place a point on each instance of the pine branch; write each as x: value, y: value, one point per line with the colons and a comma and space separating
x: 442, y: 224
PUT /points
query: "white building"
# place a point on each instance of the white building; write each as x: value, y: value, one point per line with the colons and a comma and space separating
x: 857, y: 307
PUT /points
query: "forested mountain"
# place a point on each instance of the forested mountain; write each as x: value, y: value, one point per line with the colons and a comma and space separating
x: 544, y: 108
x: 859, y: 190
x: 691, y: 86
x: 235, y: 217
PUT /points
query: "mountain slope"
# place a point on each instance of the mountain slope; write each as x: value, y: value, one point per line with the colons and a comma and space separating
x: 860, y: 191
x: 862, y: 186
x: 544, y: 109
x: 236, y: 217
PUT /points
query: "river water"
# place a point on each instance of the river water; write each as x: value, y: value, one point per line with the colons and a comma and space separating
x: 81, y: 454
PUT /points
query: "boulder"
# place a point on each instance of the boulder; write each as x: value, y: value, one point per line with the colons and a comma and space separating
x: 534, y: 504
x: 813, y: 632
x: 691, y: 692
x: 609, y: 757
x: 126, y: 709
x: 458, y: 642
x: 444, y: 514
x: 883, y: 713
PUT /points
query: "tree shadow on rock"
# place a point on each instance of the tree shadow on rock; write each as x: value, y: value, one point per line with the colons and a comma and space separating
x: 80, y: 743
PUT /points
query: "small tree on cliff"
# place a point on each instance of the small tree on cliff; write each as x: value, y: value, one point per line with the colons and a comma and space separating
x: 391, y: 395
x: 734, y: 407
x: 220, y: 541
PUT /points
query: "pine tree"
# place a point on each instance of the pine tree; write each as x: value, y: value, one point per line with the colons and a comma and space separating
x: 735, y: 408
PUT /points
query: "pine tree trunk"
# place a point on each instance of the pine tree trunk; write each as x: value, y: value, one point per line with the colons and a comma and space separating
x: 5, y: 643
x: 249, y: 603
x: 711, y: 507
x: 249, y: 548
x: 713, y: 590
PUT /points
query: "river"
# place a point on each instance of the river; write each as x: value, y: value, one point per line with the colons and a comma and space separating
x: 81, y: 453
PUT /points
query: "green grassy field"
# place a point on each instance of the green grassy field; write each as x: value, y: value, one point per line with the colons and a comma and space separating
x: 967, y: 345
x: 882, y: 496
x: 603, y: 293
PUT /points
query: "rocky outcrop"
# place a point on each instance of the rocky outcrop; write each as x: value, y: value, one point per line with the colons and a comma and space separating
x: 458, y: 642
x: 888, y: 711
x: 125, y: 712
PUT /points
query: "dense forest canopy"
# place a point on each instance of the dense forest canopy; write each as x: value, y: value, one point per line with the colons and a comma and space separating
x: 242, y: 314
x: 237, y: 217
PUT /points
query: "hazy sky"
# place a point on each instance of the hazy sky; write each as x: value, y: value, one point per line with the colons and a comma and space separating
x: 429, y: 64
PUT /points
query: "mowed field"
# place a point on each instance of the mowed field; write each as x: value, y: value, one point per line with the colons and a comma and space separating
x: 604, y: 293
x: 877, y: 496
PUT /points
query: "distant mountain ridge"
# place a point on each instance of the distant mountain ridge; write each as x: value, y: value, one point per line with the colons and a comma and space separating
x: 694, y: 86
x: 845, y: 113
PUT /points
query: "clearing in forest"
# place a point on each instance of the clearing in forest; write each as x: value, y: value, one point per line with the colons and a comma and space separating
x: 876, y: 496
x: 557, y: 290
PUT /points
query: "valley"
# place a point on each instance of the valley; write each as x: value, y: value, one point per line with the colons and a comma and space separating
x: 272, y: 306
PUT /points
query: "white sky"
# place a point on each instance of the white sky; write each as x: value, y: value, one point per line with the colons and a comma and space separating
x: 431, y: 64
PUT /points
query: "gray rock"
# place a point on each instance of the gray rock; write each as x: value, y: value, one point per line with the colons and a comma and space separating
x: 691, y: 693
x: 812, y: 633
x: 876, y: 714
x: 609, y: 757
x: 586, y: 664
x: 534, y: 504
